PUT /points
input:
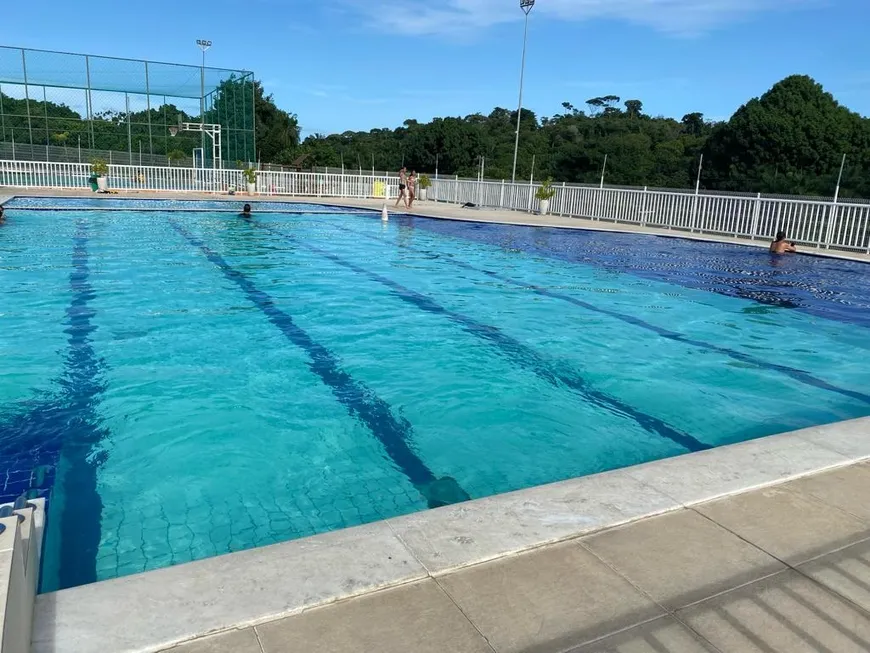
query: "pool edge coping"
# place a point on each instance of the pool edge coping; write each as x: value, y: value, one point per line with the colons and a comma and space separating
x: 176, y: 604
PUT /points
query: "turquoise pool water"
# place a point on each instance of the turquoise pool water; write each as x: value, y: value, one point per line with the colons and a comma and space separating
x: 185, y: 384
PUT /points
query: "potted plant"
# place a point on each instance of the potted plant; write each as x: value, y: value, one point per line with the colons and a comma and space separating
x: 250, y: 176
x: 544, y: 194
x: 425, y: 184
x: 100, y: 174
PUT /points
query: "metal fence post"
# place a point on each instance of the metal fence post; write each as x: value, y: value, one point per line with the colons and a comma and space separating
x: 643, y: 204
x: 753, y: 230
x: 501, y: 199
x: 694, y: 213
x: 832, y: 218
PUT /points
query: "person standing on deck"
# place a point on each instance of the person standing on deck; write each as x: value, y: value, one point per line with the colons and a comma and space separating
x: 403, y: 185
x: 412, y: 188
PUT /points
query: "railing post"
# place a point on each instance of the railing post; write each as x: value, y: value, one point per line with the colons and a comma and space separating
x: 832, y: 218
x: 756, y: 213
x: 643, y: 207
x: 694, y: 213
x: 501, y: 199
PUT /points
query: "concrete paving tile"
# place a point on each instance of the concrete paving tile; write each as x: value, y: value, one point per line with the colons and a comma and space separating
x: 708, y: 475
x: 233, y: 641
x: 785, y: 613
x: 846, y: 572
x: 418, y: 617
x: 469, y: 533
x: 665, y: 635
x: 846, y: 488
x: 548, y: 600
x: 792, y: 526
x: 681, y: 557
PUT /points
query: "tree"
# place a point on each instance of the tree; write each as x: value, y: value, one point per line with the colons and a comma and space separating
x: 693, y: 123
x: 796, y: 130
x: 634, y: 108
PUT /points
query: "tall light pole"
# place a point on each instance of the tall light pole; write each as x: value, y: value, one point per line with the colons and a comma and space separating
x: 526, y: 6
x: 204, y: 45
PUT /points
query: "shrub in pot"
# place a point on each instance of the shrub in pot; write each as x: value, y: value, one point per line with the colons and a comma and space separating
x: 544, y: 194
x: 250, y: 176
x: 425, y: 185
x: 100, y: 173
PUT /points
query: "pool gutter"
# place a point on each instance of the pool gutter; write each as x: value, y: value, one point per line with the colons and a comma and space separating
x: 172, y: 605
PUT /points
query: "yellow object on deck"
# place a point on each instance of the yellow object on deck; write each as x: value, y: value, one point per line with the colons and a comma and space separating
x: 379, y: 189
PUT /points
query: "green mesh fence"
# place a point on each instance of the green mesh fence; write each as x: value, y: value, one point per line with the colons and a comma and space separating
x: 57, y: 106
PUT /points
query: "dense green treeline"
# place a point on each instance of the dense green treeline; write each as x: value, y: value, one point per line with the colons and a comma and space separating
x: 790, y: 140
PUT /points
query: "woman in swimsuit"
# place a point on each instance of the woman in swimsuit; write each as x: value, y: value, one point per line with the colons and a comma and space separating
x: 412, y: 188
x: 403, y: 180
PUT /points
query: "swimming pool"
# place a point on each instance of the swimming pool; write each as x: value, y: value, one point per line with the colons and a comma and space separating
x: 185, y: 382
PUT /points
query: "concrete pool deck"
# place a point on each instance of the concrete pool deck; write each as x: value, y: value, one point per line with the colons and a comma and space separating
x: 758, y: 540
x: 444, y: 211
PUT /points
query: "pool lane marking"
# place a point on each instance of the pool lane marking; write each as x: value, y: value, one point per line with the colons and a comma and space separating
x: 799, y: 375
x: 361, y: 402
x: 514, y: 350
x: 81, y: 516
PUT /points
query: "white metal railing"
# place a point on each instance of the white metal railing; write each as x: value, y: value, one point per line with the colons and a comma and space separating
x: 816, y: 222
x: 820, y: 223
x: 41, y: 174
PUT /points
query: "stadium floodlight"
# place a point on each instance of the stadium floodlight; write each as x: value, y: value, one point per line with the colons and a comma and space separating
x: 526, y: 6
x: 204, y: 45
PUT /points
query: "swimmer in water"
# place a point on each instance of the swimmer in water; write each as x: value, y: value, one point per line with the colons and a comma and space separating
x: 781, y: 245
x: 246, y: 211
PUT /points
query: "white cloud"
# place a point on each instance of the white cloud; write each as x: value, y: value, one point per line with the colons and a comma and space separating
x: 461, y: 18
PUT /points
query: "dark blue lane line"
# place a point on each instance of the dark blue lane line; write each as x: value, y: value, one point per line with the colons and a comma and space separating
x: 82, y: 384
x: 395, y: 434
x: 795, y: 373
x: 514, y: 350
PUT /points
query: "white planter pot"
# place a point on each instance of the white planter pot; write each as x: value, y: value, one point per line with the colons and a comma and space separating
x: 103, y: 183
x: 544, y: 206
x: 423, y: 194
x: 252, y: 189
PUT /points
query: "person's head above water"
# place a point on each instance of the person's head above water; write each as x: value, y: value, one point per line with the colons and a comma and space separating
x: 780, y: 236
x: 246, y: 208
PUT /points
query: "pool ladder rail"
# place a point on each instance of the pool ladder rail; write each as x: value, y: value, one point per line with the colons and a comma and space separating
x: 22, y: 524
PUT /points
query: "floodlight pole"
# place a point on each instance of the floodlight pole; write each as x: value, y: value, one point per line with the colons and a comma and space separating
x: 204, y: 45
x: 526, y: 6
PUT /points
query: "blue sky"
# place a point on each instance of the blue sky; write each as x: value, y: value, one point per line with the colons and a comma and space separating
x: 360, y: 64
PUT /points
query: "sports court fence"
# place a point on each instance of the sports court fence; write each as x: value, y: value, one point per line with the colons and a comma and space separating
x: 54, y: 103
